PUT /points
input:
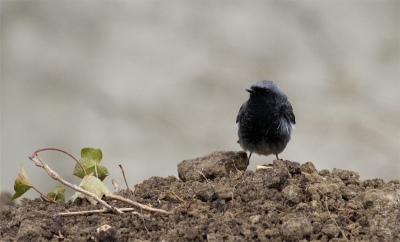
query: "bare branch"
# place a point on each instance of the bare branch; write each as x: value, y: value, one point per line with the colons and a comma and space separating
x: 115, y: 184
x: 44, y: 197
x: 93, y: 211
x: 136, y: 204
x: 126, y: 183
x: 55, y: 149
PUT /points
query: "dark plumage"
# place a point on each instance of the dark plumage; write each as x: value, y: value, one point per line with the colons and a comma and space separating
x: 265, y: 121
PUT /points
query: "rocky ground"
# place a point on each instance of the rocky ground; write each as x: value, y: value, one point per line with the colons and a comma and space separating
x: 217, y: 199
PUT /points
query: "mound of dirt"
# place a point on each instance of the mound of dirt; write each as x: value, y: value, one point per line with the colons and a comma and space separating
x: 216, y: 199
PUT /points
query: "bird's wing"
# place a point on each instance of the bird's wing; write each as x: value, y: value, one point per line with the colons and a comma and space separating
x: 241, y: 110
x: 289, y: 115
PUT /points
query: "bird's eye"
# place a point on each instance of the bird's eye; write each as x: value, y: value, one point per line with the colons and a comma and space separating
x: 261, y: 90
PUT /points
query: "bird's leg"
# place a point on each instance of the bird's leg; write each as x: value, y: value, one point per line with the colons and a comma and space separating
x: 248, y: 160
x: 277, y: 156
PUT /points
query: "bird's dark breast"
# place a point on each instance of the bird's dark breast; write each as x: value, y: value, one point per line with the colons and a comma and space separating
x: 259, y: 126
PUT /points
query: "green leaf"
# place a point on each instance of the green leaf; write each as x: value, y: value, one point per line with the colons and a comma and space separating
x: 102, y: 172
x: 57, y: 193
x: 94, y: 154
x: 22, y: 184
x: 94, y: 185
x: 90, y: 159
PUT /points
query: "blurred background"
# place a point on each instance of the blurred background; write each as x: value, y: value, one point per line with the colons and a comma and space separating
x: 152, y: 83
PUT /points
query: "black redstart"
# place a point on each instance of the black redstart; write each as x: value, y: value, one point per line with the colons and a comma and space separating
x: 265, y: 121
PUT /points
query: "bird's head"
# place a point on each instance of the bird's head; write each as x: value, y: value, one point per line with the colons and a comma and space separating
x: 263, y: 88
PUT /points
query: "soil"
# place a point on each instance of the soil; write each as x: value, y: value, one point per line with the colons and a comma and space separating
x: 217, y: 199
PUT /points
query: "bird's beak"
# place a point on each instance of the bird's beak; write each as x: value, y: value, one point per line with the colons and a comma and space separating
x: 251, y: 91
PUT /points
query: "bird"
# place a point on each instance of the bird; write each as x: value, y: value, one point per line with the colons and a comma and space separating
x: 265, y: 121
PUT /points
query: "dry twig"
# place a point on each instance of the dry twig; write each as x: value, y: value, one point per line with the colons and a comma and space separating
x: 136, y: 204
x: 93, y: 211
x: 144, y: 223
x: 201, y: 173
x: 241, y: 173
x: 126, y: 183
x: 115, y: 184
x: 40, y: 150
x: 178, y: 197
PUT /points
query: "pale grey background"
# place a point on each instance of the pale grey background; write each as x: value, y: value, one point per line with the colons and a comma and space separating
x: 152, y: 83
